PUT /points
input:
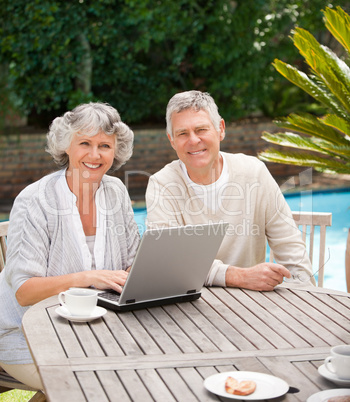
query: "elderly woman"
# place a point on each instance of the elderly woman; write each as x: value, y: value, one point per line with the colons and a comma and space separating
x: 72, y: 228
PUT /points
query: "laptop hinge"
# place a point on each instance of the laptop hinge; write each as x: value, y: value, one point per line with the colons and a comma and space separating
x: 130, y: 301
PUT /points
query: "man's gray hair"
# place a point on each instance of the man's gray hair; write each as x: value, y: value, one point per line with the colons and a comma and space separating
x: 195, y: 100
x: 89, y: 119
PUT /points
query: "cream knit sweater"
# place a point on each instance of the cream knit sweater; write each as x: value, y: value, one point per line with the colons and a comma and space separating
x: 252, y: 204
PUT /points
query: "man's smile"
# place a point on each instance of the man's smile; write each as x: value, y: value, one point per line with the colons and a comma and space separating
x: 197, y: 152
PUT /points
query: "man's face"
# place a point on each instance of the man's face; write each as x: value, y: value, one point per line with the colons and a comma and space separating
x: 196, y: 141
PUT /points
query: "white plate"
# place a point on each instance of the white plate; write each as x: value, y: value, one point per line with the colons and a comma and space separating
x: 97, y: 313
x: 332, y: 377
x: 267, y: 386
x: 323, y: 396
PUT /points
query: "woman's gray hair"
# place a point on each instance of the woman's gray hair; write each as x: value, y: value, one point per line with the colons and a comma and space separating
x: 195, y: 100
x: 89, y: 119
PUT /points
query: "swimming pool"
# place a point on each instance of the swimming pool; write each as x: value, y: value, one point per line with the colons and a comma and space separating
x: 337, y: 202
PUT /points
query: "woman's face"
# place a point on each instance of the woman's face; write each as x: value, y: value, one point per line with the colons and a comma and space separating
x: 91, y: 157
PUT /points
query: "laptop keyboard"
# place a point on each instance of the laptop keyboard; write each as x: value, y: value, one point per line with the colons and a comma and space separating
x: 110, y: 295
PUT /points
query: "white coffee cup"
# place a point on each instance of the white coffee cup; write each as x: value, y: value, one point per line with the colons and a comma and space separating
x: 79, y: 301
x: 339, y: 362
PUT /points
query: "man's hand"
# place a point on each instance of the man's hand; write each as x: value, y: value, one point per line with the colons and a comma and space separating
x: 264, y: 276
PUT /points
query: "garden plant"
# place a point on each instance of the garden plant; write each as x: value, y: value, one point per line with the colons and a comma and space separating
x: 320, y: 142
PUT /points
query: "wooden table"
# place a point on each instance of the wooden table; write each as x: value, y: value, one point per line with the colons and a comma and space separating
x: 165, y: 353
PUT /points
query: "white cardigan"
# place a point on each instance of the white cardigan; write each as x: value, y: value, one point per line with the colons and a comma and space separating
x: 252, y: 204
x: 46, y: 238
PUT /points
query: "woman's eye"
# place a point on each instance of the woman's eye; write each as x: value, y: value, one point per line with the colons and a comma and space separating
x: 105, y: 146
x: 84, y: 143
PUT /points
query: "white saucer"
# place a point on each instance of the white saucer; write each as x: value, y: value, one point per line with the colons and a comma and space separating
x: 332, y: 377
x: 97, y: 313
x: 323, y: 396
x: 267, y: 386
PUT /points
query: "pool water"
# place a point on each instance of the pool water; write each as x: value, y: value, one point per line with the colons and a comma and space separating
x: 337, y: 202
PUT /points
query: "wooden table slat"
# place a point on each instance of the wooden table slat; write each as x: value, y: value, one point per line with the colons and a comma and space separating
x: 194, y: 381
x: 134, y: 386
x: 91, y: 386
x: 156, y: 387
x: 221, y: 342
x: 161, y: 337
x: 165, y: 353
x: 325, y: 315
x: 112, y: 386
x: 253, y: 318
x: 65, y: 332
x: 307, y: 368
x: 336, y: 305
x: 58, y: 379
x: 193, y: 331
x: 342, y: 299
x: 291, y: 375
x: 122, y: 336
x: 307, y: 315
x: 105, y: 338
x: 181, y: 339
x: 46, y: 327
x: 241, y: 328
x: 86, y: 338
x: 140, y: 334
x: 177, y: 385
x: 297, y: 321
x: 225, y: 326
x: 281, y: 321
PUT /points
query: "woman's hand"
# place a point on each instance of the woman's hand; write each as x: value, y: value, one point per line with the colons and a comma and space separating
x: 39, y: 288
x: 105, y: 279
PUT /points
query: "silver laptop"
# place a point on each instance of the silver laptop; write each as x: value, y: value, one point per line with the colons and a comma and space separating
x: 170, y: 266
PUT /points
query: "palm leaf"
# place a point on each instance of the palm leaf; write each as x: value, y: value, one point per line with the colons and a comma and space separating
x: 338, y: 24
x: 338, y: 123
x: 319, y: 57
x: 323, y: 143
x: 293, y: 140
x: 310, y: 125
x: 306, y: 84
x: 294, y: 158
x: 325, y: 64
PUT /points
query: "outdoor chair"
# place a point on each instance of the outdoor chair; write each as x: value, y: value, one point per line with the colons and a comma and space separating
x: 307, y: 221
x: 7, y: 382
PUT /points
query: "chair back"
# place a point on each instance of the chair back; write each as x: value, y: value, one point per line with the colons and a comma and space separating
x: 347, y: 262
x: 307, y: 221
x: 3, y: 245
x: 7, y: 382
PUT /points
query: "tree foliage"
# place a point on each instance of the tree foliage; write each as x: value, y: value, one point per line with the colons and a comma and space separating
x: 322, y: 142
x: 135, y: 54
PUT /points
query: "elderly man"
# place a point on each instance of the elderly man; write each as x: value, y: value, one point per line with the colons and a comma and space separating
x: 206, y: 185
